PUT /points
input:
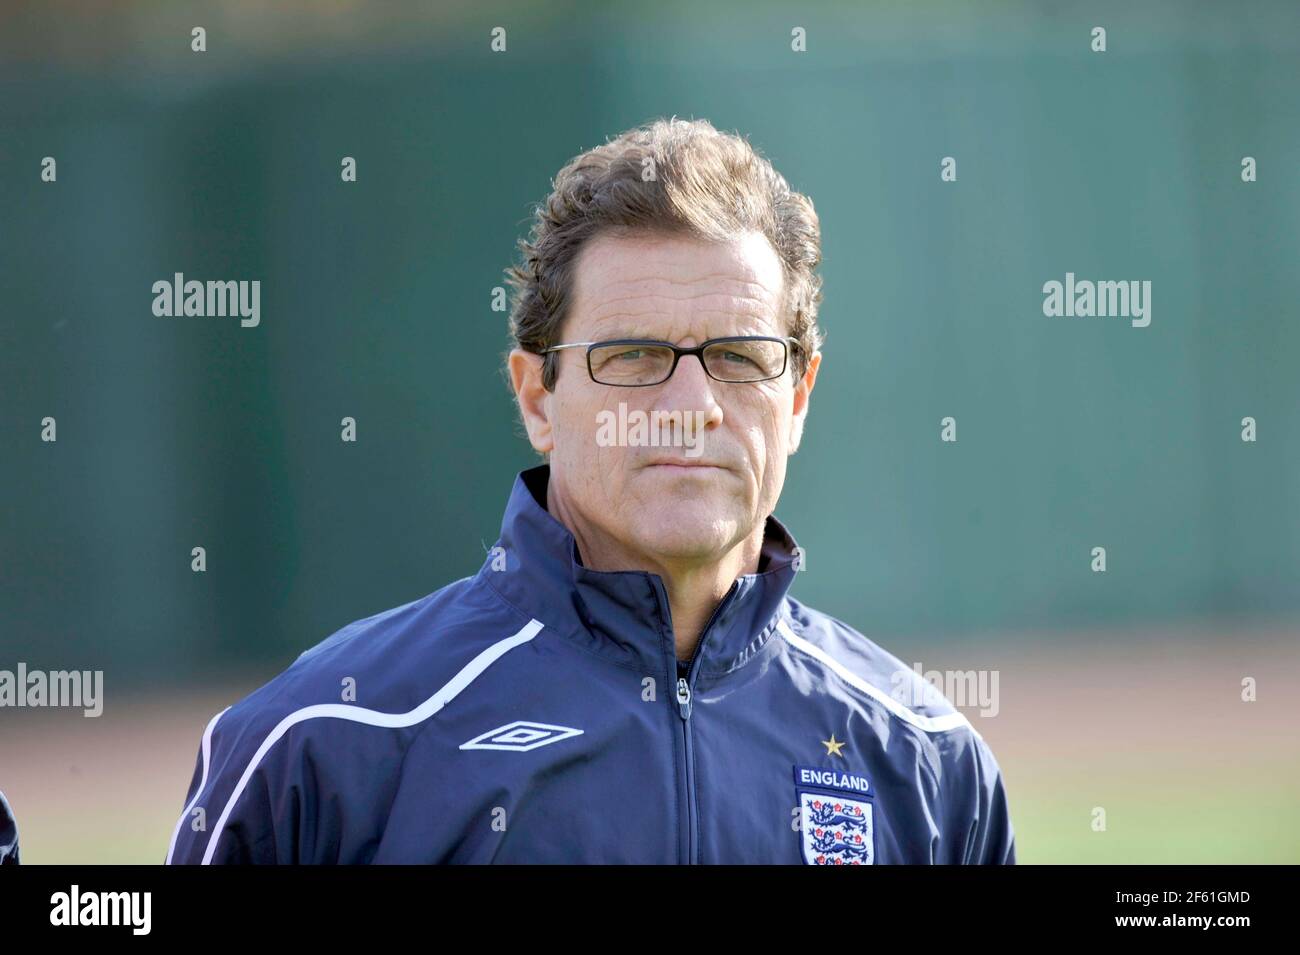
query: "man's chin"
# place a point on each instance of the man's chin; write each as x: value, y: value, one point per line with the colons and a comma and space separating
x: 690, y: 533
x: 682, y: 551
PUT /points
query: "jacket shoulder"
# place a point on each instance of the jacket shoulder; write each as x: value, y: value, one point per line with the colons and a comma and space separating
x: 969, y: 792
x: 337, y: 720
x: 861, y: 664
x: 392, y: 659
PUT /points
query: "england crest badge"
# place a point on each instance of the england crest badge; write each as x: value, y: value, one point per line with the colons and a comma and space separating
x: 835, y: 821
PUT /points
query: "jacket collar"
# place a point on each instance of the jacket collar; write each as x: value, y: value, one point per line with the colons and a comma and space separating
x: 623, y: 616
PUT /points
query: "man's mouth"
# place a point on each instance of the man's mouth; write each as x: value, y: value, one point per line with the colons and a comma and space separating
x: 684, y: 464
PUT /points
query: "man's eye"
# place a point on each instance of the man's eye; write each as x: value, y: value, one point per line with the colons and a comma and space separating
x: 735, y: 356
x: 632, y: 354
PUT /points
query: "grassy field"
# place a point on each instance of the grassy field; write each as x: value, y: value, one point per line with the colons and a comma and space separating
x: 1158, y: 737
x: 1154, y: 732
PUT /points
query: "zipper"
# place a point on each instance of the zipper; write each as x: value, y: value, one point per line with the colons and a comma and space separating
x: 684, y: 709
x: 684, y: 697
x: 685, y: 685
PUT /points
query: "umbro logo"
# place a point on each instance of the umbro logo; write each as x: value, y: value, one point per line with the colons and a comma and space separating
x: 521, y: 735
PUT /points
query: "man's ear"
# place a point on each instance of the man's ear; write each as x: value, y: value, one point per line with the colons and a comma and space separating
x: 534, y: 399
x: 802, y: 395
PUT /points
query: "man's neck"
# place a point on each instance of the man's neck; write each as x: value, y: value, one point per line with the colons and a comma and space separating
x: 694, y: 594
x: 694, y: 587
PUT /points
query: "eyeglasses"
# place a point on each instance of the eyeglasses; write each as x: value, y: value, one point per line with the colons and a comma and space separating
x: 638, y: 362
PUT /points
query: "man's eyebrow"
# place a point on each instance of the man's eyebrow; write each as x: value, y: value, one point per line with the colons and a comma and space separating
x: 636, y: 334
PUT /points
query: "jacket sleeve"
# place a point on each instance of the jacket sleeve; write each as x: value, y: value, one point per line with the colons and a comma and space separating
x: 8, y: 834
x: 976, y: 816
x: 242, y: 805
x: 991, y: 839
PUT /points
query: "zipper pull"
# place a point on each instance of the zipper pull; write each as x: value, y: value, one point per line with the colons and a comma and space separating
x: 683, y: 697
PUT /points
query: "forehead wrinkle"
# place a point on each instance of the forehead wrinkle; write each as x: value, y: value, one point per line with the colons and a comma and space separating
x: 601, y: 295
x: 741, y: 291
x: 755, y: 297
x: 743, y: 304
x: 742, y: 274
x: 723, y: 321
x: 726, y: 276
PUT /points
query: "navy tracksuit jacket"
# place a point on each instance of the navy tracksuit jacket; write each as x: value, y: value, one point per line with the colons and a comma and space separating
x: 536, y: 712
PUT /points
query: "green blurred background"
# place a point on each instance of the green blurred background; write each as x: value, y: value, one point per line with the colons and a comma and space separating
x: 1119, y: 690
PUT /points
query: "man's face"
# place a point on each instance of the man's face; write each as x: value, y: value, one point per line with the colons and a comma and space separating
x: 675, y: 503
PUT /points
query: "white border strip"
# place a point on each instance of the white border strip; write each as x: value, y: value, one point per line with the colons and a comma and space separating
x: 931, y: 724
x: 343, y: 711
x: 203, y: 781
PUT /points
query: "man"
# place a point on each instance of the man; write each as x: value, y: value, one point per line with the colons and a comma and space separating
x: 626, y: 678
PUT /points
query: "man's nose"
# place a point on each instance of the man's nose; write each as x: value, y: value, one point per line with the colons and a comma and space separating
x: 691, y: 389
